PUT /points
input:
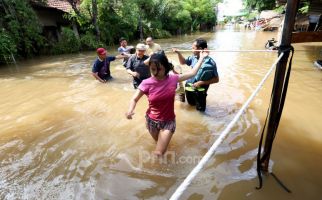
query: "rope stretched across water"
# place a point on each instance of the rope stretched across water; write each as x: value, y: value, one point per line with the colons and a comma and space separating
x: 212, y: 50
x: 184, y: 185
x: 228, y: 51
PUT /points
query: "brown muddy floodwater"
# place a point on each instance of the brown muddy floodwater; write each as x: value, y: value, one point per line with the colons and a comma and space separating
x: 64, y: 135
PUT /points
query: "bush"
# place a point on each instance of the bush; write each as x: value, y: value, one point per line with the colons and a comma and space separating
x: 7, y: 47
x: 19, y: 22
x: 88, y: 41
x: 68, y: 43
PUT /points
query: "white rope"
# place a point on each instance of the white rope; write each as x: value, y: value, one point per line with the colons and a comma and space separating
x: 187, y: 181
x: 227, y: 51
x: 185, y: 50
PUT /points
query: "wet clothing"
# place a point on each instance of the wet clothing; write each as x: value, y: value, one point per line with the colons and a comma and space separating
x: 196, y: 97
x: 103, y: 67
x: 207, y: 71
x: 136, y: 64
x: 161, y: 95
x: 155, y: 126
x: 124, y: 51
x: 153, y: 48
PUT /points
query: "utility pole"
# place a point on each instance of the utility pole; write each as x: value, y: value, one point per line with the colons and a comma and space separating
x: 277, y: 105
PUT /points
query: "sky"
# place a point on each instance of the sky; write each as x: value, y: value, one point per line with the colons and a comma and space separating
x: 229, y: 7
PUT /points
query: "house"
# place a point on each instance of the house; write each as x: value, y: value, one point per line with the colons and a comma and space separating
x: 52, y: 16
x: 310, y: 21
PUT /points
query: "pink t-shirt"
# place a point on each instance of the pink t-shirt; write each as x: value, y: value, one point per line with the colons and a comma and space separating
x: 161, y: 94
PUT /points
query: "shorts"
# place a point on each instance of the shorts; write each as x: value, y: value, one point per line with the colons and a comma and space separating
x: 155, y: 126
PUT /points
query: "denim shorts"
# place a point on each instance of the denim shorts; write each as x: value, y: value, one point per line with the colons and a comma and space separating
x: 155, y: 126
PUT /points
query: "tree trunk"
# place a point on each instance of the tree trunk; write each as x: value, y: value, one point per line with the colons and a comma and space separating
x: 140, y: 27
x: 94, y: 20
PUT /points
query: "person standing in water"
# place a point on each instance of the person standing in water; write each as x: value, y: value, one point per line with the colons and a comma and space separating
x: 125, y: 50
x: 151, y: 46
x: 197, y: 87
x: 101, y: 68
x: 160, y: 89
x: 135, y: 65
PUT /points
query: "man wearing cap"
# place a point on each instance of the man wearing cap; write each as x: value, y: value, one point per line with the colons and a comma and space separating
x: 135, y: 65
x: 101, y: 67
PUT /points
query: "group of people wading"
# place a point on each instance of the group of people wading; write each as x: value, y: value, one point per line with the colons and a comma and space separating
x: 152, y: 76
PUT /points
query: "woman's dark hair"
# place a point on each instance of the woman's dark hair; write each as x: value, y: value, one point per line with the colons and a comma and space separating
x: 161, y: 58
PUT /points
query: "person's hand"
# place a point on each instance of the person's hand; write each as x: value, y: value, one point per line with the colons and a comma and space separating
x: 129, y: 115
x: 175, y: 50
x: 135, y: 74
x: 197, y: 84
x: 103, y: 81
x: 204, y: 53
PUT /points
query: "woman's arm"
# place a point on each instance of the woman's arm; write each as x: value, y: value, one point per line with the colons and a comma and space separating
x: 195, y: 69
x: 138, y: 94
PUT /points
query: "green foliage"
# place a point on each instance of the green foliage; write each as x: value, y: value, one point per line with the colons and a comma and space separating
x: 18, y: 20
x: 279, y: 9
x: 21, y: 31
x: 160, y: 18
x: 88, y: 41
x: 7, y: 47
x: 260, y: 4
x: 201, y: 12
x: 252, y: 15
x: 304, y: 7
x: 68, y: 43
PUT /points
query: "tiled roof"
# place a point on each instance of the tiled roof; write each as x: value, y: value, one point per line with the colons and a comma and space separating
x: 60, y: 5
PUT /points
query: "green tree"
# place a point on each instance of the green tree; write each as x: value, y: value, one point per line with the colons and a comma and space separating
x: 201, y: 12
x: 20, y: 24
x: 260, y: 4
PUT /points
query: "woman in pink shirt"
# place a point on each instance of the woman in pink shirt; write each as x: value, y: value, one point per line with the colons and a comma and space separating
x: 160, y: 89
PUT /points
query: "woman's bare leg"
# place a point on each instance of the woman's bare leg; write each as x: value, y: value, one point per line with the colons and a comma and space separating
x: 163, y: 142
x: 155, y: 135
x: 153, y: 132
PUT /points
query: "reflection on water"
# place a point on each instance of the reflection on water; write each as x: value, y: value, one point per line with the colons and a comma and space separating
x: 64, y: 135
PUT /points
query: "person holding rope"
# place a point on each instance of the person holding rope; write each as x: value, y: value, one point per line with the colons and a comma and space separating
x: 160, y: 89
x: 125, y: 50
x: 101, y: 67
x: 196, y: 87
x: 135, y: 65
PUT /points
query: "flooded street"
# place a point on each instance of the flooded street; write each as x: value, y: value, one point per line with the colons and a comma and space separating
x: 64, y: 135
